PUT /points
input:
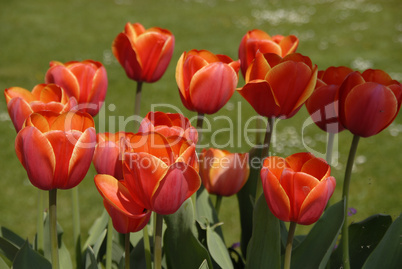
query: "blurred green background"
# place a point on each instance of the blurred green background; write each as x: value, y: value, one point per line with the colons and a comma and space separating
x: 356, y: 33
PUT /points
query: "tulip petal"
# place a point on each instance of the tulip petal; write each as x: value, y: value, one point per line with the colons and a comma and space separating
x: 335, y: 75
x: 60, y: 75
x: 276, y: 197
x: 179, y: 183
x: 317, y: 168
x: 15, y: 92
x: 297, y: 160
x: 369, y: 108
x: 19, y: 110
x: 259, y: 68
x: 143, y: 173
x: 219, y: 80
x: 378, y: 76
x: 153, y: 143
x: 36, y: 155
x: 107, y: 159
x: 289, y: 45
x: 124, y: 52
x: 316, y: 201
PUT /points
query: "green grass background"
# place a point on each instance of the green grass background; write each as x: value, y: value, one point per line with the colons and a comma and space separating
x: 360, y: 34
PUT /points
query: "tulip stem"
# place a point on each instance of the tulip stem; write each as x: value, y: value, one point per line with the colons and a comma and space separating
x: 288, y: 253
x: 53, y: 228
x: 330, y: 146
x: 137, y: 105
x: 109, y: 244
x: 147, y: 247
x: 158, y: 242
x: 76, y: 225
x: 218, y: 203
x: 200, y: 122
x: 345, y: 196
x: 267, y: 139
x: 127, y: 250
x: 258, y: 125
x: 39, y: 224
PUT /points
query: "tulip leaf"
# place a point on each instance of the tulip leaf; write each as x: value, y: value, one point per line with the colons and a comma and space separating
x: 204, y: 265
x: 217, y: 249
x: 315, y: 250
x: 364, y: 236
x: 3, y: 264
x: 246, y: 200
x: 98, y: 244
x: 264, y: 248
x: 27, y: 258
x: 12, y: 237
x: 8, y: 249
x: 90, y: 259
x: 182, y: 248
x: 388, y: 253
x: 206, y: 213
x: 97, y: 229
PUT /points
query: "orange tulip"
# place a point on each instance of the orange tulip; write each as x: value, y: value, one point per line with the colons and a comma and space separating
x: 86, y: 81
x: 56, y: 149
x: 223, y: 173
x: 278, y: 87
x: 323, y: 104
x: 369, y: 102
x: 144, y: 54
x: 169, y: 124
x: 258, y: 40
x: 126, y: 214
x: 298, y: 187
x: 160, y: 173
x: 109, y: 152
x: 21, y: 103
x: 206, y: 81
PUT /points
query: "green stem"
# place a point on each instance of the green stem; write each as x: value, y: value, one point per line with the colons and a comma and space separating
x: 109, y: 244
x: 53, y: 228
x: 127, y: 250
x: 345, y: 196
x: 258, y: 125
x: 147, y: 248
x: 265, y: 150
x: 200, y: 122
x: 39, y: 223
x: 218, y: 203
x: 288, y: 253
x: 158, y: 242
x: 330, y: 146
x: 76, y: 225
x: 137, y: 105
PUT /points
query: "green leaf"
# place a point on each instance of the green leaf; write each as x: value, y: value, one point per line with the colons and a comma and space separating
x: 98, y: 244
x: 364, y: 236
x: 217, y: 249
x: 97, y: 229
x: 204, y: 265
x: 206, y: 213
x: 388, y: 253
x: 90, y: 259
x: 3, y: 264
x: 8, y: 249
x: 12, y: 237
x: 182, y: 248
x: 264, y: 249
x: 27, y: 258
x: 315, y: 250
x: 246, y: 200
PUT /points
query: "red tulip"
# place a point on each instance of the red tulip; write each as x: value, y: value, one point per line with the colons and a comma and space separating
x: 86, y: 81
x: 206, y: 81
x: 369, y: 102
x: 126, y: 214
x: 56, y: 150
x: 278, y: 87
x: 160, y: 173
x: 144, y: 54
x: 169, y: 124
x: 257, y: 40
x: 323, y: 104
x: 109, y: 152
x: 223, y: 173
x: 21, y: 103
x: 298, y: 187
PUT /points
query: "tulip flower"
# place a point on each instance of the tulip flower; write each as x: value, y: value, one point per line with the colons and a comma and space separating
x: 109, y: 152
x: 160, y: 173
x: 144, y: 54
x: 323, y: 104
x: 206, y: 81
x: 21, y: 103
x: 258, y: 40
x: 56, y: 149
x: 297, y: 188
x: 169, y: 124
x: 86, y: 81
x: 369, y: 102
x: 126, y: 214
x: 278, y: 87
x: 223, y: 173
